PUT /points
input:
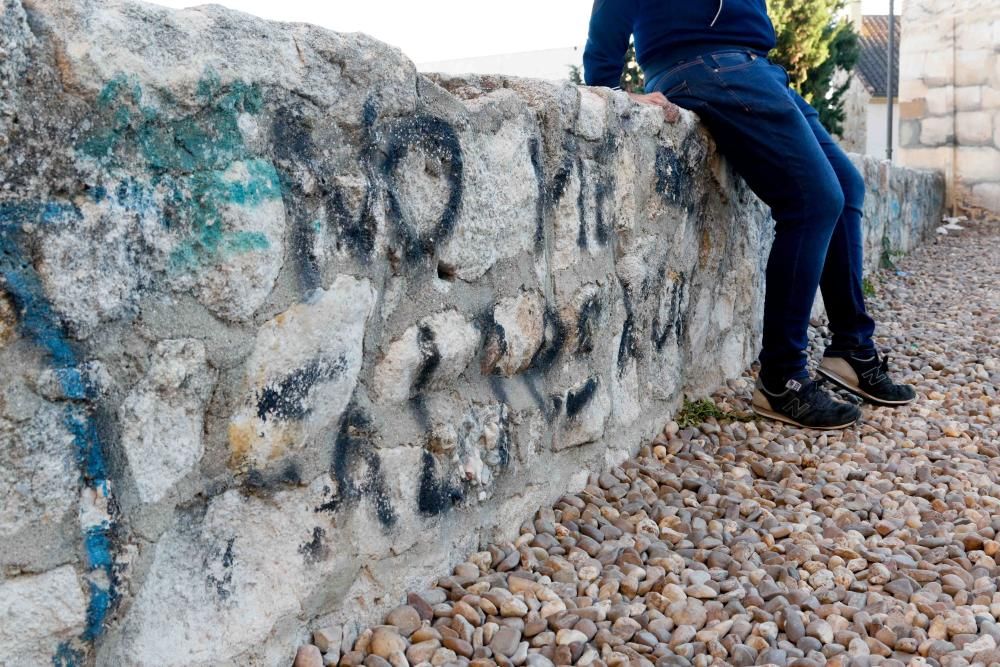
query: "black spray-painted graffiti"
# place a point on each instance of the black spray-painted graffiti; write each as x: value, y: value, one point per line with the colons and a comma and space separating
x: 357, y: 468
x: 286, y: 399
x: 586, y: 325
x: 220, y: 582
x: 577, y: 400
x: 293, y: 145
x: 675, y: 172
x: 676, y: 320
x: 437, y: 493
x: 385, y: 147
x: 438, y: 140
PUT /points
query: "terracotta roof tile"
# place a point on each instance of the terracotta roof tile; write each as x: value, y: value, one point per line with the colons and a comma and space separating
x: 874, y: 44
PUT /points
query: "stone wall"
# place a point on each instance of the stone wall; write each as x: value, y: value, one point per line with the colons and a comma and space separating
x: 950, y: 95
x: 286, y: 328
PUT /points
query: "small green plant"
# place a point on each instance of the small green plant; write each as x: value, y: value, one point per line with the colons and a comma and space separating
x: 693, y: 413
x: 867, y: 287
x: 888, y: 255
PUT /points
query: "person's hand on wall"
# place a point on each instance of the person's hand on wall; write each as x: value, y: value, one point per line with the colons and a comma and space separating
x: 657, y: 100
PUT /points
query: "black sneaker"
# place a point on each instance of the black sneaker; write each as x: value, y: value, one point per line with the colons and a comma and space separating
x: 867, y: 377
x: 804, y: 404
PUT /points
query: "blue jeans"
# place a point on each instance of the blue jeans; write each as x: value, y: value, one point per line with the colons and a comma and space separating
x: 774, y: 139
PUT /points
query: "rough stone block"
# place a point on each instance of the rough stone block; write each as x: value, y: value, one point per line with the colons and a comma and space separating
x: 909, y: 133
x: 232, y: 248
x: 975, y: 34
x: 570, y: 212
x: 302, y: 372
x: 968, y: 98
x: 974, y: 128
x: 991, y: 95
x: 911, y: 66
x: 937, y: 131
x: 938, y: 68
x: 517, y: 333
x: 915, y: 109
x: 39, y: 612
x: 225, y: 579
x: 591, y: 123
x: 928, y: 158
x: 940, y: 100
x: 987, y: 195
x: 8, y: 323
x: 978, y: 164
x: 586, y: 407
x: 90, y: 264
x: 498, y: 217
x: 429, y: 354
x: 39, y: 481
x: 162, y: 418
x: 972, y: 66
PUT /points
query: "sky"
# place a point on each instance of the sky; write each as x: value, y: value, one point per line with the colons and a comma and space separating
x: 435, y: 30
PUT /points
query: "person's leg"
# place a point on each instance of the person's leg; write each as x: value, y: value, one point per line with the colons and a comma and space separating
x: 841, y: 281
x: 745, y: 105
x: 851, y: 360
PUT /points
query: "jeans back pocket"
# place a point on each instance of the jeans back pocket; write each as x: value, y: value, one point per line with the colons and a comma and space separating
x: 727, y: 61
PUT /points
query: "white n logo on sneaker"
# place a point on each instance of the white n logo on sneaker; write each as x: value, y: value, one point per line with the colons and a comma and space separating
x: 796, y: 408
x: 874, y: 375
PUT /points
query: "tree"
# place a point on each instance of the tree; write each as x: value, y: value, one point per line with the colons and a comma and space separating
x: 814, y: 42
x: 632, y: 78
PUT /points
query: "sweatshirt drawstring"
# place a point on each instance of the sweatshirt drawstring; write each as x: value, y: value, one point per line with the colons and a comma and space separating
x: 716, y: 14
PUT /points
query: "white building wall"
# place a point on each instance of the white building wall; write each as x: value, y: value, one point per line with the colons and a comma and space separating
x: 875, y: 129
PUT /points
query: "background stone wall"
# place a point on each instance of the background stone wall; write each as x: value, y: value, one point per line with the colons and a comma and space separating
x: 286, y: 328
x: 949, y: 94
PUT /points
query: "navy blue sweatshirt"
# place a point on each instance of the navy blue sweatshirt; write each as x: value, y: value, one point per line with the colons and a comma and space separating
x: 666, y: 31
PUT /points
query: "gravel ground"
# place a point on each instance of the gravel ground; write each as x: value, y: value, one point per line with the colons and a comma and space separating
x: 749, y: 543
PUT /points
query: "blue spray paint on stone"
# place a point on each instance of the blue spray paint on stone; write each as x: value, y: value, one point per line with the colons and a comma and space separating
x: 39, y: 324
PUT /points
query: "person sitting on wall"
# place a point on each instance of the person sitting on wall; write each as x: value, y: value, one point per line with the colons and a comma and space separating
x: 711, y: 58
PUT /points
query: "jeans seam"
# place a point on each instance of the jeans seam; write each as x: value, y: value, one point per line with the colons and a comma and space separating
x: 660, y: 78
x: 735, y: 68
x: 722, y: 84
x: 676, y: 89
x: 677, y: 68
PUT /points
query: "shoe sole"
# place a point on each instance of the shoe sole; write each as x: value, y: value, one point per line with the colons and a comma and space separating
x: 770, y: 414
x: 836, y: 379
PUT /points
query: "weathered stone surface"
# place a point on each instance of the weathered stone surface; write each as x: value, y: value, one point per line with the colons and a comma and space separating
x: 499, y: 213
x: 302, y: 372
x: 432, y: 353
x: 517, y: 334
x: 587, y: 407
x: 252, y: 376
x: 38, y: 477
x: 227, y: 579
x: 163, y: 417
x: 39, y: 612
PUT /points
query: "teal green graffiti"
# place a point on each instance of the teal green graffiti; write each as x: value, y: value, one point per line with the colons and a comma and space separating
x: 188, y: 156
x: 209, y: 192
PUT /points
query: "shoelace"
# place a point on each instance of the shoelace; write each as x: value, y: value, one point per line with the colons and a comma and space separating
x: 883, y: 370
